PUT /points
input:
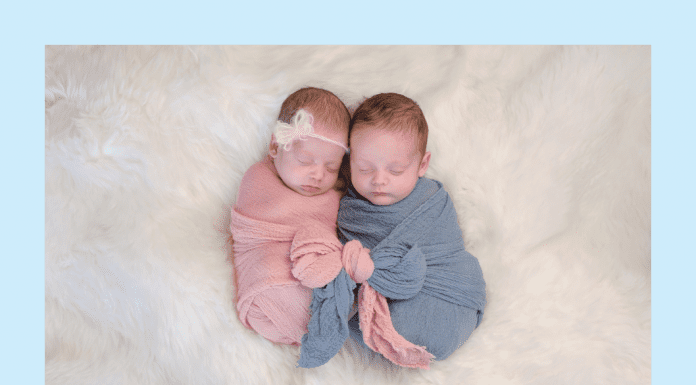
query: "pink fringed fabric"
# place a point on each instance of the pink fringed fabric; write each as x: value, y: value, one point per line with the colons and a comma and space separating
x: 284, y: 245
x: 375, y: 320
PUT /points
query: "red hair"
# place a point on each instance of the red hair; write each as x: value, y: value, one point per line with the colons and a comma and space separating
x: 393, y: 112
x: 324, y: 106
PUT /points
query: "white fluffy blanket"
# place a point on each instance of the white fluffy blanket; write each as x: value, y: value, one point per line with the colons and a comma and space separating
x: 544, y: 150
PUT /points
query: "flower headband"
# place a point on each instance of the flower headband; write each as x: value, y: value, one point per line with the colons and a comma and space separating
x: 300, y: 128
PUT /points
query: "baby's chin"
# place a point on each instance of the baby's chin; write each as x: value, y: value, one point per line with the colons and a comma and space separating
x: 309, y: 192
x: 382, y: 200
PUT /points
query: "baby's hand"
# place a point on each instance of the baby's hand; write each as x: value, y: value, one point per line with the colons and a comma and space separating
x: 357, y: 261
x: 316, y: 256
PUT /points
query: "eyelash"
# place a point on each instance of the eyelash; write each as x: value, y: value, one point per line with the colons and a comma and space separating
x: 395, y: 173
x: 308, y: 163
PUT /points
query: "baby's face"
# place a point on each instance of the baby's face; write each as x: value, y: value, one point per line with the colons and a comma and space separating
x: 310, y: 167
x: 385, y: 166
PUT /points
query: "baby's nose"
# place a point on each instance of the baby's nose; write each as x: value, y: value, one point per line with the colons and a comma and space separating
x: 380, y: 178
x: 317, y: 172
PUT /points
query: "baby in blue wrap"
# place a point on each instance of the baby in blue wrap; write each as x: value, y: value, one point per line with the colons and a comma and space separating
x: 434, y: 288
x: 388, y: 138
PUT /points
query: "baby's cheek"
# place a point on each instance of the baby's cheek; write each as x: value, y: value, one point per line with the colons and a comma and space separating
x: 335, y: 180
x: 357, y: 183
x: 292, y: 176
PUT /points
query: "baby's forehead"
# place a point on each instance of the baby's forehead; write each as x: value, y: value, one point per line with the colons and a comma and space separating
x: 319, y: 148
x: 385, y: 150
x: 405, y: 138
x: 329, y: 130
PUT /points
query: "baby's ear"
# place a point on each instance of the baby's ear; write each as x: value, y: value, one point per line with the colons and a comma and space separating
x: 425, y: 162
x: 273, y: 147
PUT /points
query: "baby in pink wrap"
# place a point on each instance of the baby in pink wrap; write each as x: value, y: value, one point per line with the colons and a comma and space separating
x: 283, y: 224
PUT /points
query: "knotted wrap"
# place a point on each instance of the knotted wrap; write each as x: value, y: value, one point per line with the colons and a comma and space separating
x: 328, y: 327
x: 417, y: 250
x: 284, y: 245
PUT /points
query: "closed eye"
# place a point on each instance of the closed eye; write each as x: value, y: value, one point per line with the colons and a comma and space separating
x: 394, y: 172
x: 304, y: 161
x: 304, y: 158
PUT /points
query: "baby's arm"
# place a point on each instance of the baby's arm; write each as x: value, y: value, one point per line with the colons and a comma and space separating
x: 316, y: 256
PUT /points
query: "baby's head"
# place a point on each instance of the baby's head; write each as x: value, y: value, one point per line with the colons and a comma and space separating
x: 388, y: 138
x: 310, y: 140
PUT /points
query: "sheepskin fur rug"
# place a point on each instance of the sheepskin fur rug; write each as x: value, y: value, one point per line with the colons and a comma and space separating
x: 545, y: 152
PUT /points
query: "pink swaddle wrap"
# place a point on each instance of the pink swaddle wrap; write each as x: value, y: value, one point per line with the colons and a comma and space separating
x: 285, y: 244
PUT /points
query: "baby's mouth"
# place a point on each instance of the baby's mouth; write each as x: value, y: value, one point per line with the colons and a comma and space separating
x: 310, y: 189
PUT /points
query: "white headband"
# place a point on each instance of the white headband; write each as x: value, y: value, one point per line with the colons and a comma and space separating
x: 300, y: 128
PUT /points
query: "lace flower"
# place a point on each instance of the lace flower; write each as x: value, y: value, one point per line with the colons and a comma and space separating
x: 301, y: 128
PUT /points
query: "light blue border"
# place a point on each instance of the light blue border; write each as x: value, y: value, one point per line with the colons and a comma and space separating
x: 673, y: 187
x: 26, y: 28
x: 22, y: 160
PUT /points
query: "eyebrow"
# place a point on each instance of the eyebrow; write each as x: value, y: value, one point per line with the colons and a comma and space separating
x: 390, y: 165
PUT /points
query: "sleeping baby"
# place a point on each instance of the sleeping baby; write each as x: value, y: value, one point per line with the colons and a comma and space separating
x: 434, y: 288
x: 283, y: 224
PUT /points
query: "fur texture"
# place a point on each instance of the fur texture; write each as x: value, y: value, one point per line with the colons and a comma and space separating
x: 544, y: 150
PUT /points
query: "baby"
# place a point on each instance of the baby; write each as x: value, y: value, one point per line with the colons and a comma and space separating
x: 430, y: 291
x: 390, y: 201
x: 283, y: 224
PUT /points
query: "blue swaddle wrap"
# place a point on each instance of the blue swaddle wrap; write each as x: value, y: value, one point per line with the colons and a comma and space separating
x: 417, y: 248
